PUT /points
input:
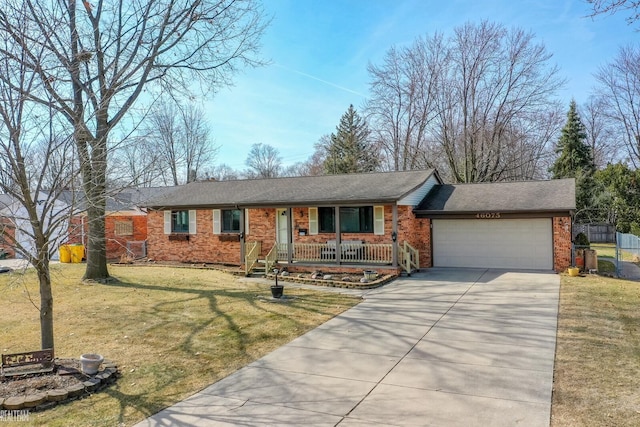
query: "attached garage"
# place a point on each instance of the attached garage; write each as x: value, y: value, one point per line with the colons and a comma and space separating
x: 512, y: 225
x: 493, y: 243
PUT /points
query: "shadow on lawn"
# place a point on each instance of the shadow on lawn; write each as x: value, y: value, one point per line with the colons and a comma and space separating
x: 147, y: 404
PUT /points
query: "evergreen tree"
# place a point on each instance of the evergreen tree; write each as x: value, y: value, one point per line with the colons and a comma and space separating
x: 575, y: 158
x: 349, y: 149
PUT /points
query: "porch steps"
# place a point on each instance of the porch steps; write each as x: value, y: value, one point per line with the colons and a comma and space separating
x: 258, y: 270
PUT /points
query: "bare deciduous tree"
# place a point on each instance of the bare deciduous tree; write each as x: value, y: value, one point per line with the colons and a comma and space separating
x: 609, y: 7
x: 223, y: 172
x: 98, y: 58
x: 36, y: 166
x: 473, y: 99
x: 601, y: 137
x: 619, y: 92
x: 180, y: 136
x: 264, y: 161
x: 401, y: 106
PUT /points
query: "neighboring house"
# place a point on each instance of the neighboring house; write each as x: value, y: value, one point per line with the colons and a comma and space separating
x: 7, y: 228
x: 382, y: 220
x: 16, y: 231
x: 125, y: 221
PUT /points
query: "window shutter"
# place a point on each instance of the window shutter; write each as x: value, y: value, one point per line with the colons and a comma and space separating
x: 313, y: 221
x: 167, y: 222
x: 192, y: 222
x: 246, y: 222
x: 378, y: 220
x: 217, y: 226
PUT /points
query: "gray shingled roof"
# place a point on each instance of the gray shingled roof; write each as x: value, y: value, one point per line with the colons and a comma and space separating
x: 314, y: 190
x: 118, y: 200
x: 532, y: 196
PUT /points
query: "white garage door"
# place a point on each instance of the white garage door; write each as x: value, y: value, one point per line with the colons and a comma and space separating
x: 493, y: 243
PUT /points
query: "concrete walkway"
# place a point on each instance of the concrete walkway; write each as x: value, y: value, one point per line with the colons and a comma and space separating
x: 629, y: 271
x: 442, y: 348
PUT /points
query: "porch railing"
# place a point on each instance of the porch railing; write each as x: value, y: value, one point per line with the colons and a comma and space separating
x: 271, y: 258
x: 409, y: 258
x: 252, y: 255
x: 360, y: 253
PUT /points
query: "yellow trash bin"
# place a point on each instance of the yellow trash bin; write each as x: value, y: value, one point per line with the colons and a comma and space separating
x: 65, y: 253
x: 77, y: 253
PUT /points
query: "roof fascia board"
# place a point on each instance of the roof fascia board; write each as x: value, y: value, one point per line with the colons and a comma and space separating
x: 503, y: 214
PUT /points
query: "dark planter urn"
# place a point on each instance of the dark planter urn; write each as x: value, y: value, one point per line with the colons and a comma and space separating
x: 277, y: 291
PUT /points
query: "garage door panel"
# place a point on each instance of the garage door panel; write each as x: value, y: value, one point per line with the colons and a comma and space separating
x: 507, y: 243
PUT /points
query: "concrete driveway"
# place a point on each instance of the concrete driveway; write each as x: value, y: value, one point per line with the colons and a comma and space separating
x: 445, y: 347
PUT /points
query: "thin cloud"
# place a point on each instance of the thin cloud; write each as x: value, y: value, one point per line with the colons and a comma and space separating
x: 320, y: 80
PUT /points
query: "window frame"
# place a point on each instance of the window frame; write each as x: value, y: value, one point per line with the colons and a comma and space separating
x: 184, y: 227
x: 223, y: 221
x: 327, y: 223
x: 123, y: 227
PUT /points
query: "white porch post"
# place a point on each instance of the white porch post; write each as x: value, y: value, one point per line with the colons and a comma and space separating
x: 394, y: 232
x: 338, y: 236
x: 289, y: 235
x: 242, y: 237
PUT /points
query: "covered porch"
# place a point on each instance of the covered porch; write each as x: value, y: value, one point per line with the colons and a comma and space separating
x: 345, y: 236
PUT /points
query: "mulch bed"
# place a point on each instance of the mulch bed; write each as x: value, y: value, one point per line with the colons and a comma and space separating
x: 45, y: 390
x: 21, y: 385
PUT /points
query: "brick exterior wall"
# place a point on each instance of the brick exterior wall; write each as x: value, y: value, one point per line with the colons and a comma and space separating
x: 416, y: 232
x: 202, y: 247
x: 7, y: 236
x: 561, y: 243
x: 206, y: 247
x: 75, y: 232
x: 117, y: 244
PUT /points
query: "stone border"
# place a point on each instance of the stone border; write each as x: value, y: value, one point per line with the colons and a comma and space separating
x: 383, y: 280
x: 332, y: 283
x: 46, y: 400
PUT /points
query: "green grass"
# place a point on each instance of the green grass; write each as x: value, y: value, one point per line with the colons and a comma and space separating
x: 598, y: 353
x: 172, y: 331
x: 605, y: 266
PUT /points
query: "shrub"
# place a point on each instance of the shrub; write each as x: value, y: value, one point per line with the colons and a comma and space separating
x: 582, y: 240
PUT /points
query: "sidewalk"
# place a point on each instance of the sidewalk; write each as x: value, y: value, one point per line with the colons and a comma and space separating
x: 629, y: 271
x: 446, y: 348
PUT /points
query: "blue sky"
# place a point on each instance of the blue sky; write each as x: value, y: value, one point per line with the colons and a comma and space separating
x: 319, y: 51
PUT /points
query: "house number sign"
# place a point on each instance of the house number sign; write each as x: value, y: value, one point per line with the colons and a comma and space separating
x: 488, y: 215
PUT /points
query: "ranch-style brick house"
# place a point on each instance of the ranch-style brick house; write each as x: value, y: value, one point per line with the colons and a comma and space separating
x: 388, y: 221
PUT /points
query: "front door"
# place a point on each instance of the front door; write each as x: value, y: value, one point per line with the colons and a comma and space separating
x: 282, y: 233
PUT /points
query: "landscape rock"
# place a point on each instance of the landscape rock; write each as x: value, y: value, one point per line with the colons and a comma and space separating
x: 13, y: 403
x: 75, y: 390
x: 33, y: 400
x: 57, y: 395
x: 92, y: 384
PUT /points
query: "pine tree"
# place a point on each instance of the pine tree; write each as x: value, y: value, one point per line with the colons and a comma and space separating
x: 575, y: 158
x: 349, y: 149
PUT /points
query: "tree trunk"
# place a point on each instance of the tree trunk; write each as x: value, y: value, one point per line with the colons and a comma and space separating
x: 96, y: 268
x: 94, y: 182
x: 46, y: 305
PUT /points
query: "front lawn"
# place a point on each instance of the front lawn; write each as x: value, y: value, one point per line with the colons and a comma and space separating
x: 598, y: 353
x: 172, y: 331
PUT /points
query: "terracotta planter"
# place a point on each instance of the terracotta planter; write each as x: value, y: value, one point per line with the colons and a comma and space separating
x: 91, y: 363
